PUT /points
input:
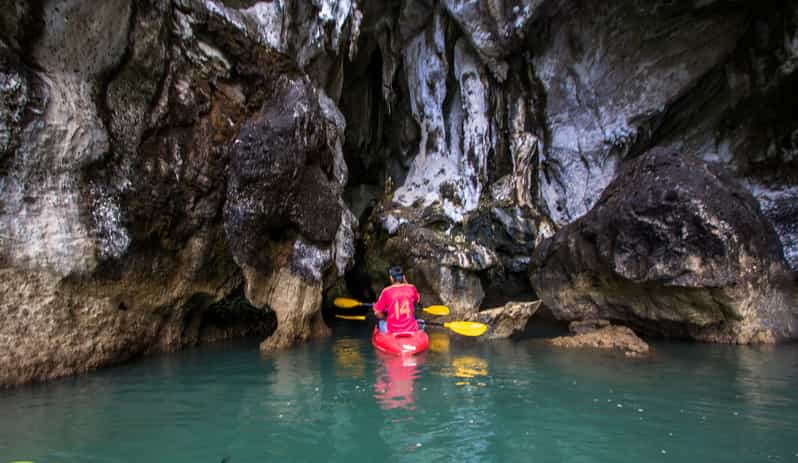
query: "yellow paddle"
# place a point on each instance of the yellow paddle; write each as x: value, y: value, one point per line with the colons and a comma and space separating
x: 347, y: 303
x: 351, y: 317
x: 463, y: 328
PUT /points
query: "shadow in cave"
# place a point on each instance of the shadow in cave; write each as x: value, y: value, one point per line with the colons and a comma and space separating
x: 234, y: 317
x: 358, y: 281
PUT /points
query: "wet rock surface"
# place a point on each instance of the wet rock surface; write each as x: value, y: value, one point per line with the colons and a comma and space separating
x: 620, y: 338
x: 676, y: 246
x: 129, y: 154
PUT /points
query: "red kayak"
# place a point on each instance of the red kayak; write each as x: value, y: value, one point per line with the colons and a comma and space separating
x: 403, y: 343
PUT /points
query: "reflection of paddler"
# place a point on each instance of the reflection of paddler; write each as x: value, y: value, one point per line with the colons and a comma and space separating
x: 348, y: 358
x: 394, y: 381
x: 468, y: 367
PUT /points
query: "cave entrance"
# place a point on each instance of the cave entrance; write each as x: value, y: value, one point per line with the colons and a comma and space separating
x: 371, y: 150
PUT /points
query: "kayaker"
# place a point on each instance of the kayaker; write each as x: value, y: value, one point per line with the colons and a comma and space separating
x: 395, y: 307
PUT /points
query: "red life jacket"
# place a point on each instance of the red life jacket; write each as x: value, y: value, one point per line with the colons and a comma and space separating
x: 397, y: 302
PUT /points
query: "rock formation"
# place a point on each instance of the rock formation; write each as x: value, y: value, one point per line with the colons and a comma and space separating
x: 159, y: 158
x: 618, y: 338
x: 138, y: 190
x: 542, y: 104
x: 676, y: 246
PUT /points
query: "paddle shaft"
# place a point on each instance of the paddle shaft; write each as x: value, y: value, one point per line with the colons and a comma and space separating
x: 349, y: 303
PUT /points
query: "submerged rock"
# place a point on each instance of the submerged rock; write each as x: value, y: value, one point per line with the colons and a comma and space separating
x: 609, y: 337
x: 674, y: 246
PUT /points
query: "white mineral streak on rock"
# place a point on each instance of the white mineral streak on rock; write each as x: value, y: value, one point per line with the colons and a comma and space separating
x: 476, y: 126
x: 182, y: 26
x: 489, y: 30
x: 425, y: 59
x: 214, y: 54
x: 324, y: 31
x: 780, y: 201
x: 335, y: 12
x: 305, y: 33
x: 391, y: 223
x: 524, y: 147
x: 452, y: 175
x: 41, y: 226
x: 269, y: 18
x: 310, y: 260
x: 335, y: 133
x: 112, y: 237
x: 229, y: 15
x: 344, y: 246
x: 469, y: 256
x: 357, y: 20
x: 599, y: 93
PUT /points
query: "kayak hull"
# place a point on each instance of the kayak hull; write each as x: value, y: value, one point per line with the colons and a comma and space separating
x: 404, y: 343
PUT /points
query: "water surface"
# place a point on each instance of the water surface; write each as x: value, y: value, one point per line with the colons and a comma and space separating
x: 336, y: 400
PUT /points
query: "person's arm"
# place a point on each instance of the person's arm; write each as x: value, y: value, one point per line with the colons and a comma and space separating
x: 379, y: 307
x: 416, y: 303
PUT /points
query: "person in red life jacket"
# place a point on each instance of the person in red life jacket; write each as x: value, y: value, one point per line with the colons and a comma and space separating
x: 395, y: 307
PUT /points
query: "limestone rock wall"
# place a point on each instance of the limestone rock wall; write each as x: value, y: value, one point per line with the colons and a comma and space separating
x: 506, y: 122
x: 138, y: 192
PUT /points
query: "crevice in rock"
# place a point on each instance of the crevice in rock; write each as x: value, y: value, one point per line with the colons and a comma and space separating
x: 235, y: 317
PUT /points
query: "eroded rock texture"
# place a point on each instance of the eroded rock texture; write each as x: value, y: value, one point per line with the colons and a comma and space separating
x: 675, y: 246
x: 507, y: 120
x: 132, y: 143
x: 619, y: 338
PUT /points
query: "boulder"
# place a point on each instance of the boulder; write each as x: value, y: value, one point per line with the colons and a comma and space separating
x: 609, y: 337
x: 673, y: 246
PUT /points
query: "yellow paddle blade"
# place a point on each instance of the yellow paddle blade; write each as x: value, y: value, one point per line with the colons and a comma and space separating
x: 346, y: 303
x: 467, y: 328
x: 351, y: 317
x: 436, y: 310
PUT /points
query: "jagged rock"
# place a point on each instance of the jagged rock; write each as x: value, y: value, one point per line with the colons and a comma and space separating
x: 609, y: 337
x: 116, y: 128
x: 443, y: 268
x: 492, y: 27
x: 278, y: 175
x: 286, y: 179
x: 675, y: 246
x: 506, y: 321
x: 606, y: 69
x: 295, y: 301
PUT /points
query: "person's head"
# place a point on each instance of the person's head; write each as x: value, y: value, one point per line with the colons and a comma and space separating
x: 396, y: 275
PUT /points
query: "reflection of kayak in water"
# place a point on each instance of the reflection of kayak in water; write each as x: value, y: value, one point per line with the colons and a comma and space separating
x: 404, y: 343
x: 395, y: 380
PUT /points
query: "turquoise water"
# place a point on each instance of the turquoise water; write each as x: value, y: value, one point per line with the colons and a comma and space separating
x: 335, y: 400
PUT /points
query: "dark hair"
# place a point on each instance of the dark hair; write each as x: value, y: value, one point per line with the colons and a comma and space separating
x: 396, y: 273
